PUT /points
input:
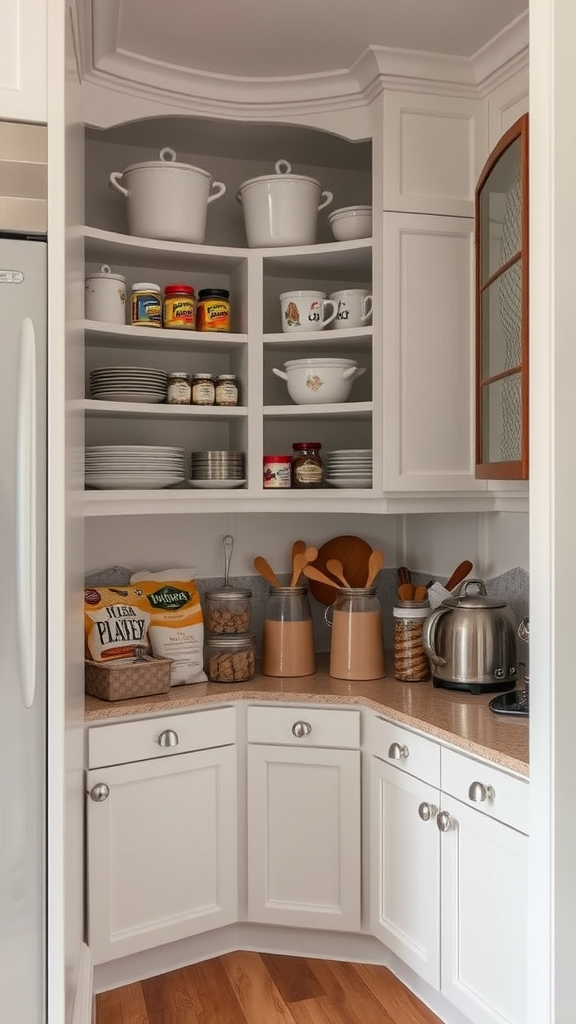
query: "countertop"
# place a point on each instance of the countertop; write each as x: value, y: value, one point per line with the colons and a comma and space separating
x: 459, y: 718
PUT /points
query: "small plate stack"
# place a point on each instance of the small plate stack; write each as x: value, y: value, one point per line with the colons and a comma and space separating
x: 133, y: 466
x: 217, y: 469
x: 128, y: 384
x: 349, y: 467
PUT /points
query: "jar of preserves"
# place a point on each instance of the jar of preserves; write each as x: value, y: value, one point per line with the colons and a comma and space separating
x: 277, y: 471
x: 213, y: 312
x: 179, y: 307
x: 227, y: 611
x: 307, y: 468
x: 146, y: 305
x: 288, y: 635
x: 226, y: 388
x: 203, y: 389
x: 411, y: 663
x: 179, y: 389
x: 357, y: 640
x: 229, y: 659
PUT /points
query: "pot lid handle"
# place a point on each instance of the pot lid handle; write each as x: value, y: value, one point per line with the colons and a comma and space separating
x: 168, y: 155
x: 282, y: 167
x: 105, y: 269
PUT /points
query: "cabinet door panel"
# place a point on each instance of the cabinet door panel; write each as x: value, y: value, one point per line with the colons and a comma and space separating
x: 161, y: 851
x: 304, y: 837
x: 405, y: 869
x: 484, y: 913
x: 23, y: 45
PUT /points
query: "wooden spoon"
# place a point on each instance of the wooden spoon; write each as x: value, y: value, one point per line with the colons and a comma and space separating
x: 298, y: 548
x: 314, y: 574
x: 375, y: 563
x: 263, y: 567
x: 300, y: 560
x: 460, y: 572
x: 420, y: 592
x: 334, y: 565
x: 406, y: 592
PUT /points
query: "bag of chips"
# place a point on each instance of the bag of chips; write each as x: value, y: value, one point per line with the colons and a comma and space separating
x: 116, y: 622
x: 176, y: 624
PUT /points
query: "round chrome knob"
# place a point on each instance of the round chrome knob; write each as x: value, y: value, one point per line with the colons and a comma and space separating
x: 478, y: 792
x: 301, y: 729
x: 427, y: 811
x: 99, y: 792
x: 168, y: 738
x: 444, y: 821
x: 397, y: 752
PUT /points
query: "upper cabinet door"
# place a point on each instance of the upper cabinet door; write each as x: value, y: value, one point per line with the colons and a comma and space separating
x: 23, y: 60
x: 502, y: 310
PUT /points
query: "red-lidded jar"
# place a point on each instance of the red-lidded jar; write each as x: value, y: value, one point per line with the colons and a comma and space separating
x: 179, y: 307
x: 277, y: 471
x: 307, y: 468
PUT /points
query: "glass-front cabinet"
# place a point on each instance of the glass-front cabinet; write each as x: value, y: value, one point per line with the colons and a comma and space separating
x: 502, y: 310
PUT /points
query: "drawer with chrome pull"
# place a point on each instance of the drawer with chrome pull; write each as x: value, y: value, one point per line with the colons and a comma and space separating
x: 486, y: 788
x: 159, y: 737
x: 405, y: 749
x: 305, y: 726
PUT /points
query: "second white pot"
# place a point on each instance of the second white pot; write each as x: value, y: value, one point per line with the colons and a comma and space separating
x: 318, y: 381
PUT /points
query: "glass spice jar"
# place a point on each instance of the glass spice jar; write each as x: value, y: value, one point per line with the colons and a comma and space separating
x: 226, y: 389
x: 307, y: 469
x: 203, y: 389
x: 179, y: 389
x: 411, y: 663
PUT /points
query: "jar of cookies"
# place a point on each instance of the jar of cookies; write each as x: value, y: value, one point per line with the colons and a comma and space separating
x: 229, y: 659
x: 411, y: 663
x: 227, y: 611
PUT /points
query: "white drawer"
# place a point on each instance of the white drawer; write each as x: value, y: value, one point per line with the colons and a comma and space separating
x: 405, y: 749
x: 486, y: 788
x: 328, y: 727
x: 138, y: 741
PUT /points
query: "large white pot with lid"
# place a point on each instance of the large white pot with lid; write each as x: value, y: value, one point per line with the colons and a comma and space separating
x: 281, y: 208
x: 167, y: 199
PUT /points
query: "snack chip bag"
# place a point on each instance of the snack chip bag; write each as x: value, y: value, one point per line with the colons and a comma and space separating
x: 176, y: 628
x: 115, y: 622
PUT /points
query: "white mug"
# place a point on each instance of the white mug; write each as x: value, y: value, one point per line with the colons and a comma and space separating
x: 354, y: 308
x: 306, y: 310
x: 105, y: 298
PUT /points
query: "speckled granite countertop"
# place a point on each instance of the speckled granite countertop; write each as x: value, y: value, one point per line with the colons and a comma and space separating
x: 462, y: 719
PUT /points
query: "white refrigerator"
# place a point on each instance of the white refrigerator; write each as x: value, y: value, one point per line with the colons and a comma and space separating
x: 23, y: 696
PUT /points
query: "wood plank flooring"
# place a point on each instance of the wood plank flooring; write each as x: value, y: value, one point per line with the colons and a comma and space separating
x: 262, y: 988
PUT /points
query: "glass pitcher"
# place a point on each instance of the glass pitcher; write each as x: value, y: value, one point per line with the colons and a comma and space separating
x: 357, y: 640
x: 288, y: 635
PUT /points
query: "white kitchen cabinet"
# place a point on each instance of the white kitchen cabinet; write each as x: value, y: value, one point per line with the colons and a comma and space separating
x: 161, y: 832
x: 449, y: 882
x: 23, y: 60
x: 304, y: 818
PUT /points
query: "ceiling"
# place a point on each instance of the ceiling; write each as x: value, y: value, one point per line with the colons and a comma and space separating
x: 255, y: 39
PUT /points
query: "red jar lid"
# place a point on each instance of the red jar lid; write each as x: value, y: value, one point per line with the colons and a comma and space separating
x: 305, y: 444
x: 277, y: 458
x: 172, y: 289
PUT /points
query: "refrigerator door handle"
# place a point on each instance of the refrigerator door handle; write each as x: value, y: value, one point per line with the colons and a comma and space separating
x: 26, y: 595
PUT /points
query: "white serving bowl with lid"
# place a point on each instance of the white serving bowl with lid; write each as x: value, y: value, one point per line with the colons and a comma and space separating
x: 319, y: 380
x: 350, y: 222
x: 282, y: 208
x: 167, y: 199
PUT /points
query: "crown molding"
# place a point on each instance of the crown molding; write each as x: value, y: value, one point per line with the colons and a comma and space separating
x: 503, y: 56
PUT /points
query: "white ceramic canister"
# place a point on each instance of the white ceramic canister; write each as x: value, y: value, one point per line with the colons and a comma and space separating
x: 282, y: 208
x: 105, y: 296
x: 167, y: 199
x: 354, y: 308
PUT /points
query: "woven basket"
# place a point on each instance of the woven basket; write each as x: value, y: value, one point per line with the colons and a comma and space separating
x: 117, y: 680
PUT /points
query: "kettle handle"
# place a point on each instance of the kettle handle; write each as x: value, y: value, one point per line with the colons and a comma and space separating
x: 429, y: 635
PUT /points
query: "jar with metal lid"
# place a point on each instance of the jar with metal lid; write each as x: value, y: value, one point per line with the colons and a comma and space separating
x: 179, y: 389
x: 213, y: 311
x: 227, y: 611
x: 179, y: 307
x: 146, y: 304
x: 288, y: 635
x: 411, y: 664
x: 357, y: 639
x: 203, y: 389
x: 307, y: 468
x: 229, y: 659
x: 226, y: 389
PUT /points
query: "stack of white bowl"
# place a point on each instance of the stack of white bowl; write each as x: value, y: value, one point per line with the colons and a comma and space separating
x: 350, y: 222
x: 133, y: 466
x: 349, y: 467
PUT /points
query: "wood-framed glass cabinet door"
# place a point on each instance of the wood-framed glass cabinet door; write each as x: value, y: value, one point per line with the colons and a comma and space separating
x: 502, y: 310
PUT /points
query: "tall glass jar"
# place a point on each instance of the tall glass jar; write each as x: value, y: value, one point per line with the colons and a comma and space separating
x: 288, y: 636
x: 411, y: 663
x: 357, y: 640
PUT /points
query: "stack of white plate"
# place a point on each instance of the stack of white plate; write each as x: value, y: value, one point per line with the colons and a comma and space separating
x: 349, y: 467
x: 128, y: 384
x: 129, y: 466
x: 217, y: 469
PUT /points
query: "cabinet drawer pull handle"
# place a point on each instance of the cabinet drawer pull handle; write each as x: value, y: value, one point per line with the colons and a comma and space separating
x: 427, y: 811
x: 397, y: 752
x: 99, y: 792
x: 168, y: 738
x: 478, y: 792
x: 444, y: 821
x: 300, y: 729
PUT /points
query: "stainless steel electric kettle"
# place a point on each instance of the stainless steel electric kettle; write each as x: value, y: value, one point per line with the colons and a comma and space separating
x: 471, y: 642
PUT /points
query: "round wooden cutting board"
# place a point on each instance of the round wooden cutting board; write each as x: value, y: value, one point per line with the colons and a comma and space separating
x: 353, y: 552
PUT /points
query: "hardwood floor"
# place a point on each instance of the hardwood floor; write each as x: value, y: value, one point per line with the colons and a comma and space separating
x: 261, y: 988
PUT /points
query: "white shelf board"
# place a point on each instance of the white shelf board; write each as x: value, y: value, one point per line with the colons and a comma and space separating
x: 342, y: 410
x: 102, y: 335
x: 184, y: 501
x: 109, y: 246
x: 96, y: 408
x: 341, y: 341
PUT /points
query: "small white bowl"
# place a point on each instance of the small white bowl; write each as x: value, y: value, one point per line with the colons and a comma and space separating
x: 317, y: 381
x: 351, y: 222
